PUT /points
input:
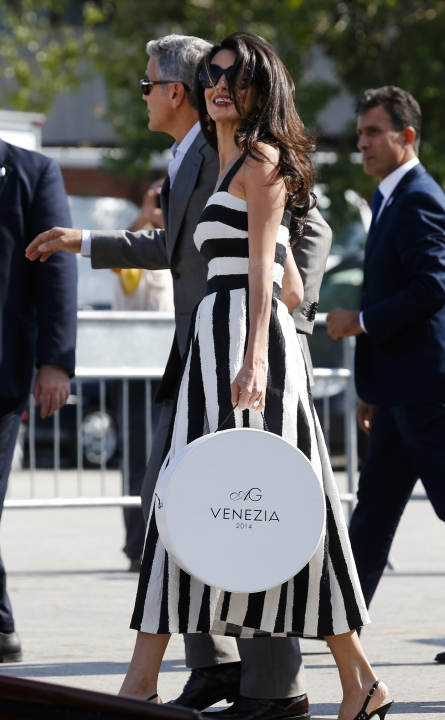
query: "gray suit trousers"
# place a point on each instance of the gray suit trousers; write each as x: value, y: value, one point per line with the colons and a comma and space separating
x: 270, y: 667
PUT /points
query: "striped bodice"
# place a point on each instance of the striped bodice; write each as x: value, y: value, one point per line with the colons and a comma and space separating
x: 222, y: 237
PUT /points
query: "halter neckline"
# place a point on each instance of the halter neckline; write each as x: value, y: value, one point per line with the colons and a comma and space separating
x: 230, y: 174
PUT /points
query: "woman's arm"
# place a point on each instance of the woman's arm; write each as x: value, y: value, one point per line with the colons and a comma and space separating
x: 266, y: 198
x: 292, y: 292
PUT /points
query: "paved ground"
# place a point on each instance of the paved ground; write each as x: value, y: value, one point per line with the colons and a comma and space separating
x: 73, y: 596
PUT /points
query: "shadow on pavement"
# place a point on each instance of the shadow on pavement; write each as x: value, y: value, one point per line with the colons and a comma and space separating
x: 74, y: 669
x: 411, y: 573
x: 429, y: 641
x: 319, y: 711
x: 420, y: 708
x: 322, y: 710
x: 389, y: 664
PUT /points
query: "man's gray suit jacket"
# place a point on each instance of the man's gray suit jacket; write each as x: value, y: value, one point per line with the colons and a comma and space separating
x: 311, y: 256
x: 172, y: 247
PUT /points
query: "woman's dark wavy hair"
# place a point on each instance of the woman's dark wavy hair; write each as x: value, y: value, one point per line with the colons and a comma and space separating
x: 274, y: 121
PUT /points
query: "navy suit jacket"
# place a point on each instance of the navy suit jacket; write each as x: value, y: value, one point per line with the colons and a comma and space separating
x: 38, y: 301
x: 401, y: 359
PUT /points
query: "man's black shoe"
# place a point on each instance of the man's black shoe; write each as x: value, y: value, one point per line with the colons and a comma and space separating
x: 10, y: 648
x: 440, y: 657
x: 296, y: 708
x: 209, y: 685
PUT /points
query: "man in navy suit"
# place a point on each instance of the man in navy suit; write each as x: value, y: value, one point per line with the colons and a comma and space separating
x: 38, y: 308
x: 400, y: 354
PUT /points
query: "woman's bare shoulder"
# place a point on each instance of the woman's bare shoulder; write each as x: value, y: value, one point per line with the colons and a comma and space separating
x: 262, y: 167
x: 265, y: 156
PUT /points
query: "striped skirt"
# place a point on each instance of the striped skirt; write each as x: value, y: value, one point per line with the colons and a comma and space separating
x: 325, y: 597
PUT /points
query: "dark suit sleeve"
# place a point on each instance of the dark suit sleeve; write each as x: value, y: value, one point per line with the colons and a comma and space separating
x: 56, y: 279
x: 310, y: 256
x: 421, y: 248
x: 125, y: 249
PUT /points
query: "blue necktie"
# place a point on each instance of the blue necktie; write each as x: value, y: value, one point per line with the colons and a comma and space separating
x: 375, y: 205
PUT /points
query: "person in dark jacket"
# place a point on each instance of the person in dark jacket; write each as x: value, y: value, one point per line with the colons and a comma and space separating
x: 38, y: 307
x: 400, y: 356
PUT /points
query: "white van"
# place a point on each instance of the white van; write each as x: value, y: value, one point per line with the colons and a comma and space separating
x: 22, y: 128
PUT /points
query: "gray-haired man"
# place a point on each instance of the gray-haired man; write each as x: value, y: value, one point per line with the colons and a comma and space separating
x: 264, y: 675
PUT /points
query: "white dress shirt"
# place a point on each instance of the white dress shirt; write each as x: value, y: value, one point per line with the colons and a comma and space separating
x: 390, y: 182
x: 387, y: 187
x: 179, y: 151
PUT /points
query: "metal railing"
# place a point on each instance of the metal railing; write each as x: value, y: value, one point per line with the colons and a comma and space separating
x: 126, y: 346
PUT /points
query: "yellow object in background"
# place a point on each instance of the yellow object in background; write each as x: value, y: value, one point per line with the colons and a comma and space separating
x: 130, y: 279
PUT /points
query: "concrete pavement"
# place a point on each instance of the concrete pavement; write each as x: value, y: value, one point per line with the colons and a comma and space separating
x: 73, y: 597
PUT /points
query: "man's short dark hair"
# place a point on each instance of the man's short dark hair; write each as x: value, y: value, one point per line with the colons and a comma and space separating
x: 400, y: 105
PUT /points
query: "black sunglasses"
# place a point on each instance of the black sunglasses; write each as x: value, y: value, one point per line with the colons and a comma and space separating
x: 210, y: 74
x: 146, y: 84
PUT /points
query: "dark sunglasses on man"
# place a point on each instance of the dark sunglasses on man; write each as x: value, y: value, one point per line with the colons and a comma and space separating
x: 146, y: 84
x: 210, y: 74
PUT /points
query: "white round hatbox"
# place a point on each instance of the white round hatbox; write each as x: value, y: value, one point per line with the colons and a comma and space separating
x: 242, y: 509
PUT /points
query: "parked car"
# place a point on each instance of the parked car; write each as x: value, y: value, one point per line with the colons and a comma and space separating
x: 95, y: 292
x: 94, y: 426
x: 341, y: 287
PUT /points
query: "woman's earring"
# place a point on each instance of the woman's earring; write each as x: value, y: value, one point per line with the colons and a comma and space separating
x: 208, y: 122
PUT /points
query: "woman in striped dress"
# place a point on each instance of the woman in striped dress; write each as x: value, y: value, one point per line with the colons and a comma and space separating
x: 244, y: 351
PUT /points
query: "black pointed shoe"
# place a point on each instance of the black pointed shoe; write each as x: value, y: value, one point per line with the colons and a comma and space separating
x: 440, y: 657
x: 10, y: 647
x: 209, y: 685
x: 295, y: 708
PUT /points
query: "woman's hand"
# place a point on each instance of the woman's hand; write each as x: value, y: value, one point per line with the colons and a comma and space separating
x: 249, y: 387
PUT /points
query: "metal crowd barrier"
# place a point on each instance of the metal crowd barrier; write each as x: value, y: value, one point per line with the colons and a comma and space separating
x: 125, y: 346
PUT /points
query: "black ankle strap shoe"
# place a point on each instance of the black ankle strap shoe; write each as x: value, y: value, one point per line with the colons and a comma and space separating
x: 380, y: 711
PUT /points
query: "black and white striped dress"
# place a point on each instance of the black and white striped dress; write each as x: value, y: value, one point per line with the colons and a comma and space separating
x: 325, y: 597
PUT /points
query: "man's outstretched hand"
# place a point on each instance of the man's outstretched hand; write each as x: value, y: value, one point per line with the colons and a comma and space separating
x: 48, y: 242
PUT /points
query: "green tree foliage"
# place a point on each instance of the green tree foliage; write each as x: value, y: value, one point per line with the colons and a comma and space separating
x: 40, y: 53
x: 44, y: 54
x: 395, y: 42
x: 289, y: 24
x: 51, y: 46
